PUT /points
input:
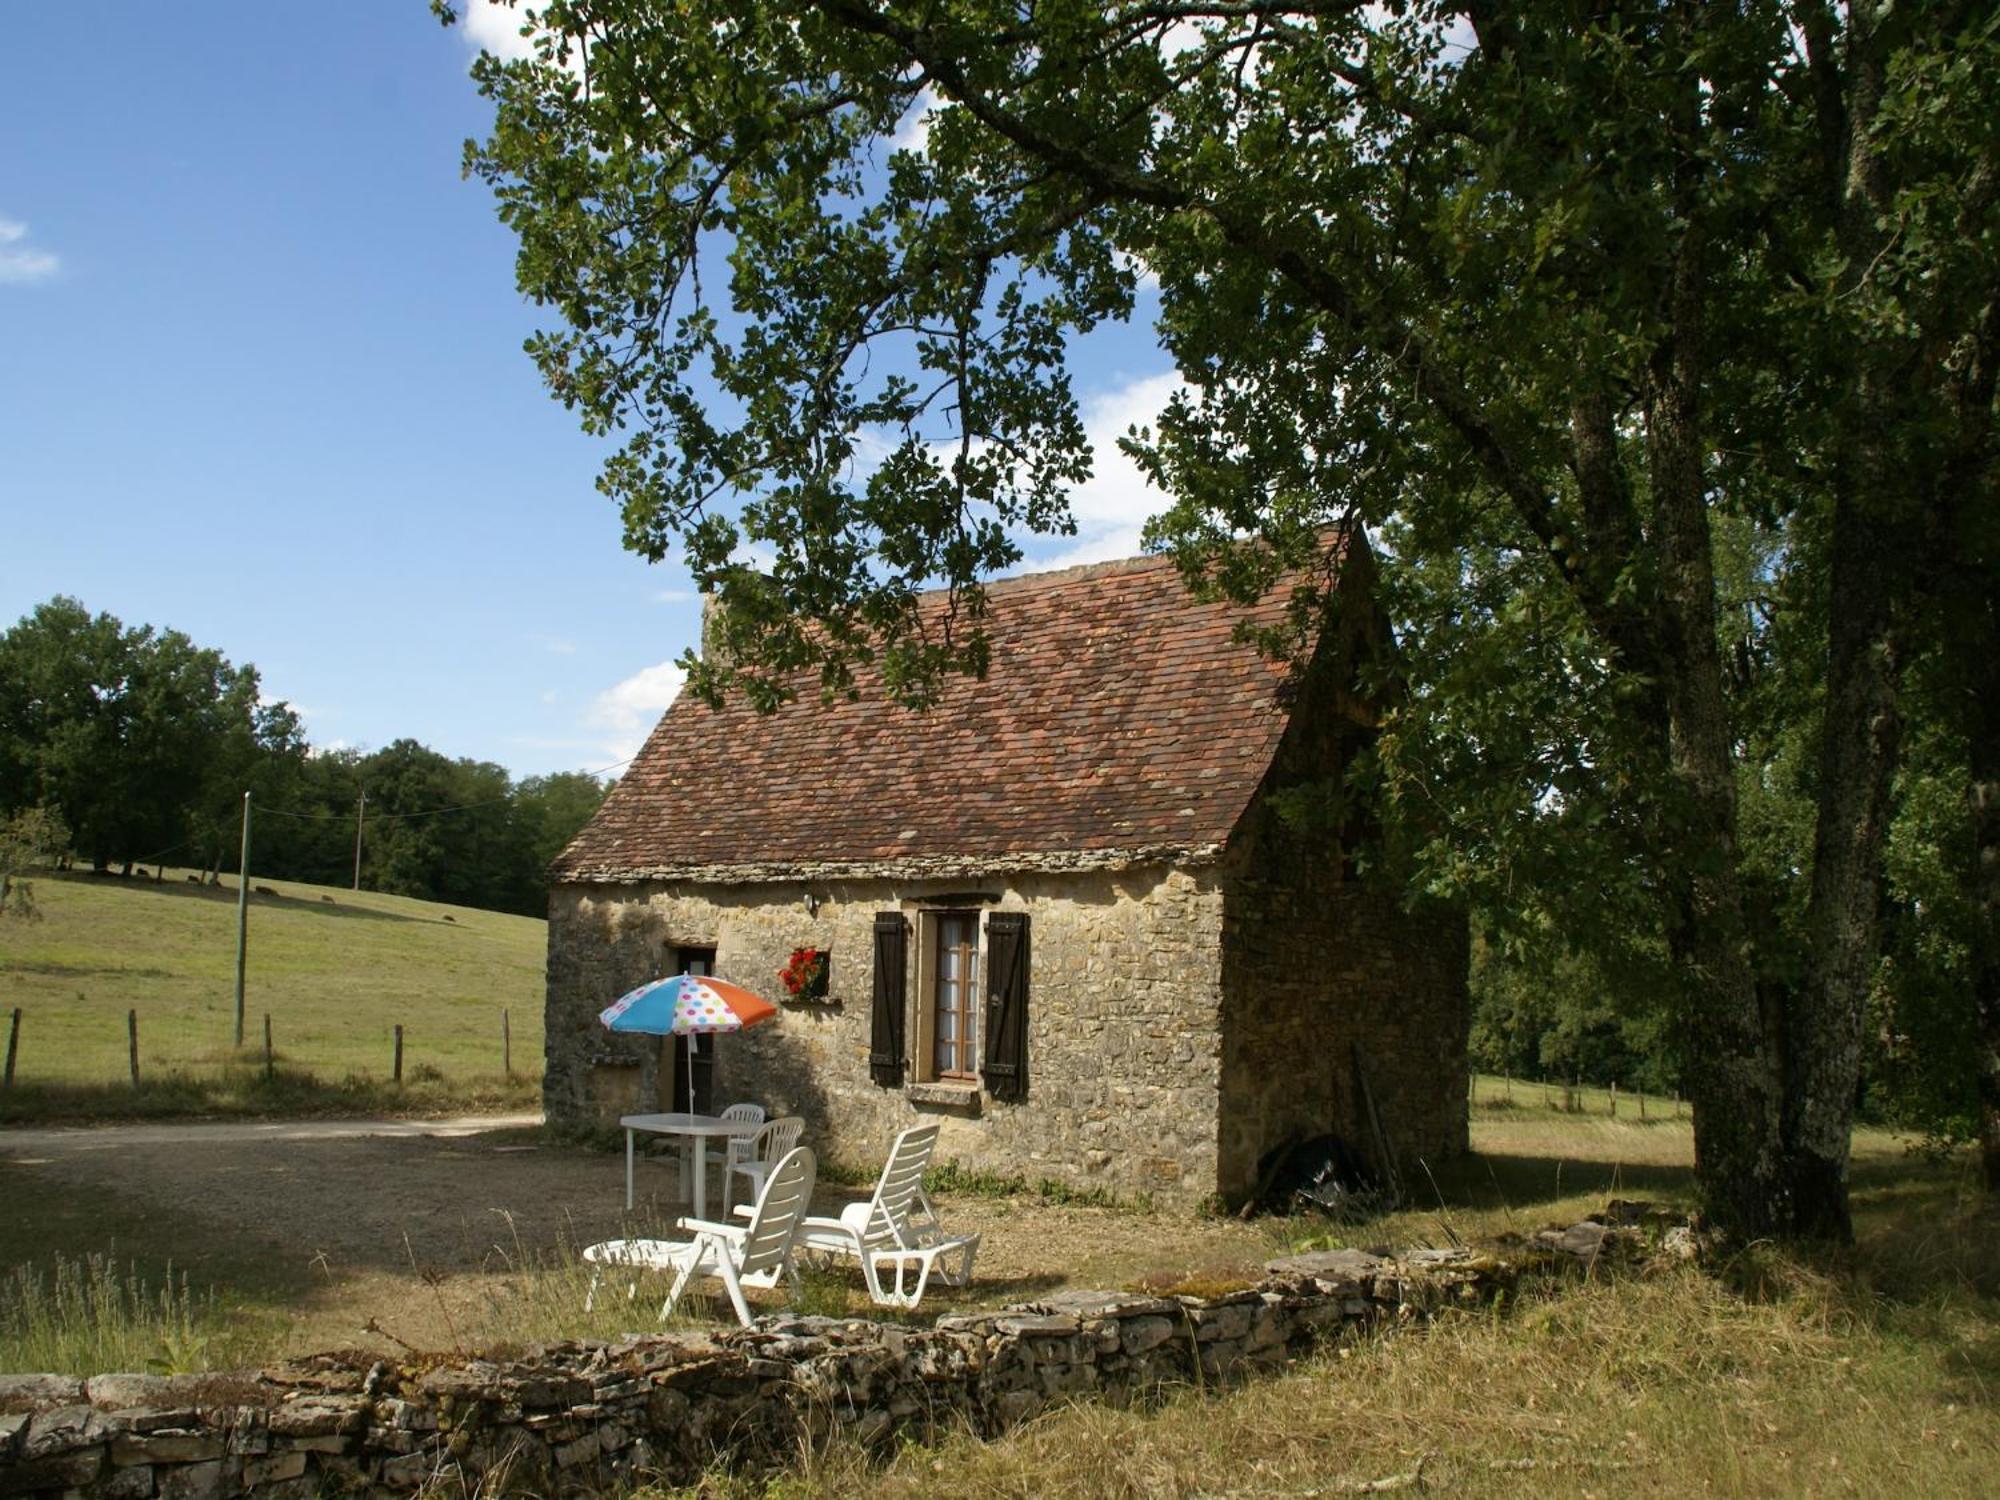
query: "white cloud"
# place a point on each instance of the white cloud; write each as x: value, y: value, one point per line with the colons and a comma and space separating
x: 754, y: 555
x: 1148, y: 278
x: 913, y: 131
x: 676, y: 596
x: 21, y: 262
x: 625, y: 713
x: 495, y: 28
x: 1182, y: 36
x: 1113, y: 507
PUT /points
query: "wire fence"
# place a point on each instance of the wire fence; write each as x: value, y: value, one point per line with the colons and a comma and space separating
x: 94, y: 1048
x: 1611, y: 1101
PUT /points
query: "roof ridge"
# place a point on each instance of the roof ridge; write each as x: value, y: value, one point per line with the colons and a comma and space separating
x: 1017, y: 582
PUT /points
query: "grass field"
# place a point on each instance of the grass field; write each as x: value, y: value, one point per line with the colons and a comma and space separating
x: 335, y: 970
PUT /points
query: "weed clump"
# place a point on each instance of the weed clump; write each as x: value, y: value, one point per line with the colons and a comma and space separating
x: 90, y: 1315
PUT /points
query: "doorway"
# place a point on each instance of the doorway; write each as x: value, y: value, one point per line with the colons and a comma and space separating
x: 674, y: 1051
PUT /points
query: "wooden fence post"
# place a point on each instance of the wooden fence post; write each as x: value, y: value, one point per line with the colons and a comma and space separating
x: 506, y: 1043
x: 270, y: 1062
x: 132, y: 1034
x: 1614, y: 1098
x: 13, y: 1046
x: 399, y: 1052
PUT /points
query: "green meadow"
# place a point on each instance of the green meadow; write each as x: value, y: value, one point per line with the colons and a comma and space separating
x: 336, y: 971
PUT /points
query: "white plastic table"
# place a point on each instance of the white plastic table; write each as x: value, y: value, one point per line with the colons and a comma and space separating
x: 695, y: 1131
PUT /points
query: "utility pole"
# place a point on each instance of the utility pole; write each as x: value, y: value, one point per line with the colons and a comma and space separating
x: 360, y: 812
x: 242, y: 917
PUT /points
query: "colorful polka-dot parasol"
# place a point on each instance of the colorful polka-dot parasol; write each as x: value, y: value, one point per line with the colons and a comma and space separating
x: 684, y: 1005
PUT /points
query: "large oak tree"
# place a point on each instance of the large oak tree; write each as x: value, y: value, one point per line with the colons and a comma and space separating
x: 1553, y: 290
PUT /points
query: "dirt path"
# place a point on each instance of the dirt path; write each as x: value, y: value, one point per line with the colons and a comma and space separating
x: 398, y: 1195
x: 68, y: 1138
x: 333, y: 1225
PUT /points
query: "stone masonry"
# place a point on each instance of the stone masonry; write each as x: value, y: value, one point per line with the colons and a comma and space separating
x: 1123, y: 1020
x: 576, y: 1418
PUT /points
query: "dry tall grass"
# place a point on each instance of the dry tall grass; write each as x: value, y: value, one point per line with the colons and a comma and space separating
x: 1775, y: 1378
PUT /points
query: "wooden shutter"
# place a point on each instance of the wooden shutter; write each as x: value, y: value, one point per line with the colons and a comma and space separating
x: 1006, y: 1052
x: 885, y: 1033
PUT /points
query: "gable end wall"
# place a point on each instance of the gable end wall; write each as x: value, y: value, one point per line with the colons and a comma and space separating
x: 1327, y: 980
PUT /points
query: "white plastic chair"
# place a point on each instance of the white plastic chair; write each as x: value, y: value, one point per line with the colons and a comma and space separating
x: 734, y: 1147
x: 737, y: 1148
x: 754, y: 1254
x: 897, y: 1229
x: 767, y: 1147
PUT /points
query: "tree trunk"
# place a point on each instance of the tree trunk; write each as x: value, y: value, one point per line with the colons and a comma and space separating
x: 1985, y: 807
x: 1873, y: 516
x: 1734, y: 1086
x: 1858, y: 744
x: 1975, y: 631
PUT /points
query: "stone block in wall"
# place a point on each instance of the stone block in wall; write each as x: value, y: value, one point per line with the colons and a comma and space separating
x: 199, y: 1481
x: 1143, y: 1332
x: 27, y: 1393
x: 320, y: 1415
x: 135, y: 1483
x: 55, y: 1471
x: 274, y: 1469
x: 1329, y: 1272
x: 331, y: 1443
x: 166, y: 1446
x: 1227, y: 1322
x: 63, y: 1429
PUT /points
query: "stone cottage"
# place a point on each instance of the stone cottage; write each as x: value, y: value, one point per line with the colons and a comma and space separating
x: 1061, y: 912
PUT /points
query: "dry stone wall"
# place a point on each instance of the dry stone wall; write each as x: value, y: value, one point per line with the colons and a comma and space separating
x: 1123, y: 1019
x: 576, y: 1417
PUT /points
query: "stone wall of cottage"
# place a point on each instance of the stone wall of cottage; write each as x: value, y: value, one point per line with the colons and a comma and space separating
x: 1334, y: 993
x: 1123, y: 1019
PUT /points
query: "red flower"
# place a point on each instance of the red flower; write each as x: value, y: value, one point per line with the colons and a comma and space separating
x: 804, y: 972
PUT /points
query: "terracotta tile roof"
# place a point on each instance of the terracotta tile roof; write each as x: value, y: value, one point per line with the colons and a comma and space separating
x: 1118, y: 722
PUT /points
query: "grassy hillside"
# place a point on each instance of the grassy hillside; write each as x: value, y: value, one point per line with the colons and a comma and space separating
x: 336, y: 971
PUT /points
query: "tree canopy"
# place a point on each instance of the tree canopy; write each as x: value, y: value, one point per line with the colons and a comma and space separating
x: 132, y: 745
x: 1656, y: 341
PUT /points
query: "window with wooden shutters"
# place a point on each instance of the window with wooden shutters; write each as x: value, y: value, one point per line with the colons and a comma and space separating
x: 1006, y: 1062
x: 885, y: 1032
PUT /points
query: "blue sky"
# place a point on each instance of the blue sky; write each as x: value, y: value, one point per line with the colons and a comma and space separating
x: 261, y: 381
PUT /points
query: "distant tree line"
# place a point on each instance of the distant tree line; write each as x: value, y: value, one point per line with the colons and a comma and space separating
x: 142, y: 744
